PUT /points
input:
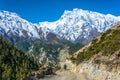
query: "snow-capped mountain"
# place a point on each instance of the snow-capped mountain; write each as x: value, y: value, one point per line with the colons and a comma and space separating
x: 76, y: 26
x: 12, y: 24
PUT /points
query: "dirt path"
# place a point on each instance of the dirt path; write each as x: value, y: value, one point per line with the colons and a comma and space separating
x: 67, y: 75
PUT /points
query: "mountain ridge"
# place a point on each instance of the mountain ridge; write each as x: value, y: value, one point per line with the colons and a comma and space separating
x: 76, y: 26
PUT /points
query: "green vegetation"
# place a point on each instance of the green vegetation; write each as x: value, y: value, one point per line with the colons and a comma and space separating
x: 14, y: 64
x: 23, y: 45
x: 73, y: 47
x: 55, y: 48
x: 49, y: 48
x: 107, y: 45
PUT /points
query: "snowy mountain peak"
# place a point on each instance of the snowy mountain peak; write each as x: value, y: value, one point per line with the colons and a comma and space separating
x: 6, y: 13
x: 84, y: 14
x: 82, y: 25
x: 77, y: 25
x: 13, y: 25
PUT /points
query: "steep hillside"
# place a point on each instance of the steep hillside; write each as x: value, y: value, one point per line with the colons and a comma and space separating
x: 14, y: 64
x: 106, y: 44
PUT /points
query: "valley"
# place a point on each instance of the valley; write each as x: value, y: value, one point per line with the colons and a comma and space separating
x: 87, y: 42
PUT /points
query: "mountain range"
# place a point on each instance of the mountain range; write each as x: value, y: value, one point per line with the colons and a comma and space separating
x: 79, y: 26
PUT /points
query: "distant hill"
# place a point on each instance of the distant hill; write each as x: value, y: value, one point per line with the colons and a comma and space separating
x: 14, y: 64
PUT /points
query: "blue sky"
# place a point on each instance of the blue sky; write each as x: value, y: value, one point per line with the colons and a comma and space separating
x: 50, y: 10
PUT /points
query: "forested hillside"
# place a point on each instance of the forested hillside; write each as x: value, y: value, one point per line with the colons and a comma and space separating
x: 14, y: 64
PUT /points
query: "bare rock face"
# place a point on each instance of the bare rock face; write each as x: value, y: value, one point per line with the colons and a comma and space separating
x: 100, y: 68
x: 98, y: 72
x: 52, y: 38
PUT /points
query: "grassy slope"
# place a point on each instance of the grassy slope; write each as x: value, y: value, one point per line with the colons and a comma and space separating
x: 107, y: 44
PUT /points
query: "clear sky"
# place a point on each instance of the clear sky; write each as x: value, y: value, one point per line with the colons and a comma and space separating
x: 50, y: 10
